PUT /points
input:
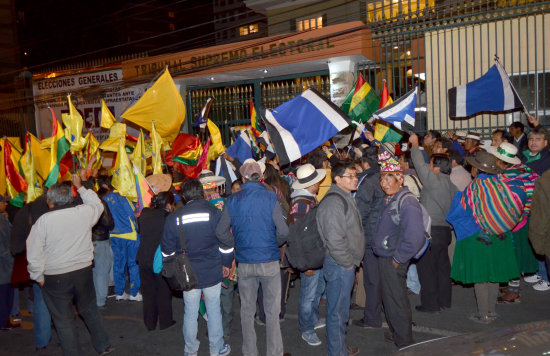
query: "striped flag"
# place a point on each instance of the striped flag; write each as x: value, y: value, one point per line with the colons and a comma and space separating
x: 491, y: 93
x: 385, y: 99
x: 302, y: 124
x: 400, y: 113
x: 59, y: 146
x: 361, y: 101
x: 241, y: 149
x: 186, y: 149
x: 226, y: 170
x: 143, y: 189
x: 15, y: 183
x: 254, y: 119
x: 204, y: 113
x: 384, y: 132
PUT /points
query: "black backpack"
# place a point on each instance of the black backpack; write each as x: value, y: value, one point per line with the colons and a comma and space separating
x: 305, y: 249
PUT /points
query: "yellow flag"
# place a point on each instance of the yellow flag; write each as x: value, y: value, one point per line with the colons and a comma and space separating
x: 27, y: 163
x: 91, y: 149
x: 40, y: 156
x: 116, y: 132
x: 107, y: 118
x: 157, y: 147
x: 216, y: 145
x: 73, y: 127
x: 161, y: 103
x: 138, y: 156
x: 123, y: 174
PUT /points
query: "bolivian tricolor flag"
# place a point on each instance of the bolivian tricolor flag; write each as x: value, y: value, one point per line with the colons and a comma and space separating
x: 384, y: 132
x: 254, y: 119
x: 144, y: 190
x: 58, y: 147
x: 385, y: 99
x: 187, y: 149
x: 15, y: 183
x: 361, y: 101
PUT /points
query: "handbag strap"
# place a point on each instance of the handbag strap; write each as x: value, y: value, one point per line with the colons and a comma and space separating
x: 182, y: 236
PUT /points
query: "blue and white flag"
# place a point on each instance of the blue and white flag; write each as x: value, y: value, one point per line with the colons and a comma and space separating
x: 491, y: 93
x: 400, y: 113
x: 302, y: 124
x: 241, y: 148
x: 226, y: 170
x: 201, y: 119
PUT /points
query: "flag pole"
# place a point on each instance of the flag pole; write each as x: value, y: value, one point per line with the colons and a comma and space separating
x: 525, y: 112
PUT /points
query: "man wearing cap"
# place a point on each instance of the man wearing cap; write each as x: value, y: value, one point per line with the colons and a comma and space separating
x: 253, y: 222
x: 398, y: 236
x: 312, y: 282
x: 339, y: 224
x: 369, y: 198
x: 471, y: 144
x: 512, y: 168
x: 437, y: 192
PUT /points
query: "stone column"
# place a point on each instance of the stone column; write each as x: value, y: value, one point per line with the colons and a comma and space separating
x: 342, y: 78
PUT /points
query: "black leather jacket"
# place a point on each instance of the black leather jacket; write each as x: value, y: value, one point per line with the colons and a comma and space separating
x: 100, y: 232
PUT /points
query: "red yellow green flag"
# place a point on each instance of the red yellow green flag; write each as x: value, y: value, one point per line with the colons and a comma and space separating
x: 385, y: 99
x: 58, y: 147
x: 254, y: 119
x: 15, y: 183
x: 361, y: 101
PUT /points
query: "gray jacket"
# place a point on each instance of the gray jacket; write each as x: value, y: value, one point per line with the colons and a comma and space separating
x: 341, y: 229
x: 437, y: 189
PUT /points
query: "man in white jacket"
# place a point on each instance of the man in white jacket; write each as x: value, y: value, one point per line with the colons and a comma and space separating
x: 60, y: 255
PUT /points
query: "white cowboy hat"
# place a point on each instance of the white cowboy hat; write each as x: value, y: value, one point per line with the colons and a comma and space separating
x: 307, y: 176
x: 207, y: 176
x: 505, y: 152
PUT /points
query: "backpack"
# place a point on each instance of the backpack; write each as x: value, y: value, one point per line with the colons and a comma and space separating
x: 305, y: 248
x: 426, y: 222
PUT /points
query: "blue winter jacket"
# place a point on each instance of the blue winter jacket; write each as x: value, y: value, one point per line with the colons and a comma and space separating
x: 199, y: 219
x: 123, y: 214
x: 399, y: 237
x: 251, y: 214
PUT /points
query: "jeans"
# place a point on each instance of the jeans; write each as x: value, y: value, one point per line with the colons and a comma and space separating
x: 191, y: 300
x: 103, y: 261
x: 413, y: 282
x: 285, y: 280
x: 543, y: 272
x: 6, y: 301
x: 59, y: 293
x: 41, y: 318
x: 250, y: 277
x: 311, y: 289
x: 338, y: 290
x: 124, y: 252
x: 372, y: 314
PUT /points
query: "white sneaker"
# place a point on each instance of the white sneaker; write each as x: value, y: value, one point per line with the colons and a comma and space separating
x: 136, y: 298
x: 542, y: 286
x: 124, y: 296
x: 534, y: 278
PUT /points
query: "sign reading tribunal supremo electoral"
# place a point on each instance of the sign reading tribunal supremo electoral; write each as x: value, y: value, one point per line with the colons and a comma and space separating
x: 330, y: 41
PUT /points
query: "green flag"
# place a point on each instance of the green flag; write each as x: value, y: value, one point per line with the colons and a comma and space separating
x: 361, y: 101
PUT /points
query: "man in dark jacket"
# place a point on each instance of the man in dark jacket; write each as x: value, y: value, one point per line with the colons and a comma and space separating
x: 398, y: 236
x: 198, y: 219
x: 339, y: 224
x: 437, y: 193
x: 369, y: 198
x: 258, y: 229
x: 537, y: 156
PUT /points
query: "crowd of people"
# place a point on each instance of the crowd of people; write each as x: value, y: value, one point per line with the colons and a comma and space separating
x: 394, y: 219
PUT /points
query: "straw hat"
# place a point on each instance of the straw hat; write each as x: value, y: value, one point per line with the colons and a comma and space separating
x: 484, y: 161
x: 307, y: 176
x: 207, y: 176
x: 160, y: 182
x: 505, y: 152
x: 261, y: 163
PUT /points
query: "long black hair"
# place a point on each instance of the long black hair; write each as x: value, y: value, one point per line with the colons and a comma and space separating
x: 162, y: 199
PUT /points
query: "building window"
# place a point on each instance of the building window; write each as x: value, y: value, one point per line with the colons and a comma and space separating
x: 248, y: 29
x: 310, y: 23
x: 171, y: 14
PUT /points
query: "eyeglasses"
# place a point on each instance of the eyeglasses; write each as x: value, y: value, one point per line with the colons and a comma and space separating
x: 351, y: 176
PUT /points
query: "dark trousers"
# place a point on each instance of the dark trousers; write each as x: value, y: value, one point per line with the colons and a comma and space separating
x: 285, y: 276
x: 6, y: 302
x: 434, y: 269
x: 157, y: 300
x: 59, y: 292
x: 226, y: 304
x: 373, y: 289
x: 395, y: 300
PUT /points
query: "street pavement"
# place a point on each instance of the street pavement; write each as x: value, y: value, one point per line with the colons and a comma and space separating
x: 130, y: 337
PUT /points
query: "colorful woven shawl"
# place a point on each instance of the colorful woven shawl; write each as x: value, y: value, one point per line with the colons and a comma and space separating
x: 496, y: 208
x: 528, y: 177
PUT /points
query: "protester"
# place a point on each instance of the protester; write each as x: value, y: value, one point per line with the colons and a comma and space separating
x: 320, y: 160
x: 500, y: 136
x: 157, y: 296
x: 339, y: 224
x: 369, y: 198
x: 517, y: 129
x: 429, y: 140
x: 438, y: 191
x: 197, y: 221
x: 125, y: 244
x: 484, y: 253
x: 6, y: 269
x: 512, y: 168
x: 471, y: 144
x: 537, y: 156
x: 460, y: 177
x: 443, y: 145
x: 312, y: 284
x: 258, y: 229
x: 398, y: 236
x: 60, y: 253
x: 540, y: 217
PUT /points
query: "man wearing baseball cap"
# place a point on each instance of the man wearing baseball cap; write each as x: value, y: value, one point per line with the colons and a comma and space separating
x: 253, y: 222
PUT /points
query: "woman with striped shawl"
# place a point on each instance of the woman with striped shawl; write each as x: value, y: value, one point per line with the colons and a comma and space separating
x: 483, y: 216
